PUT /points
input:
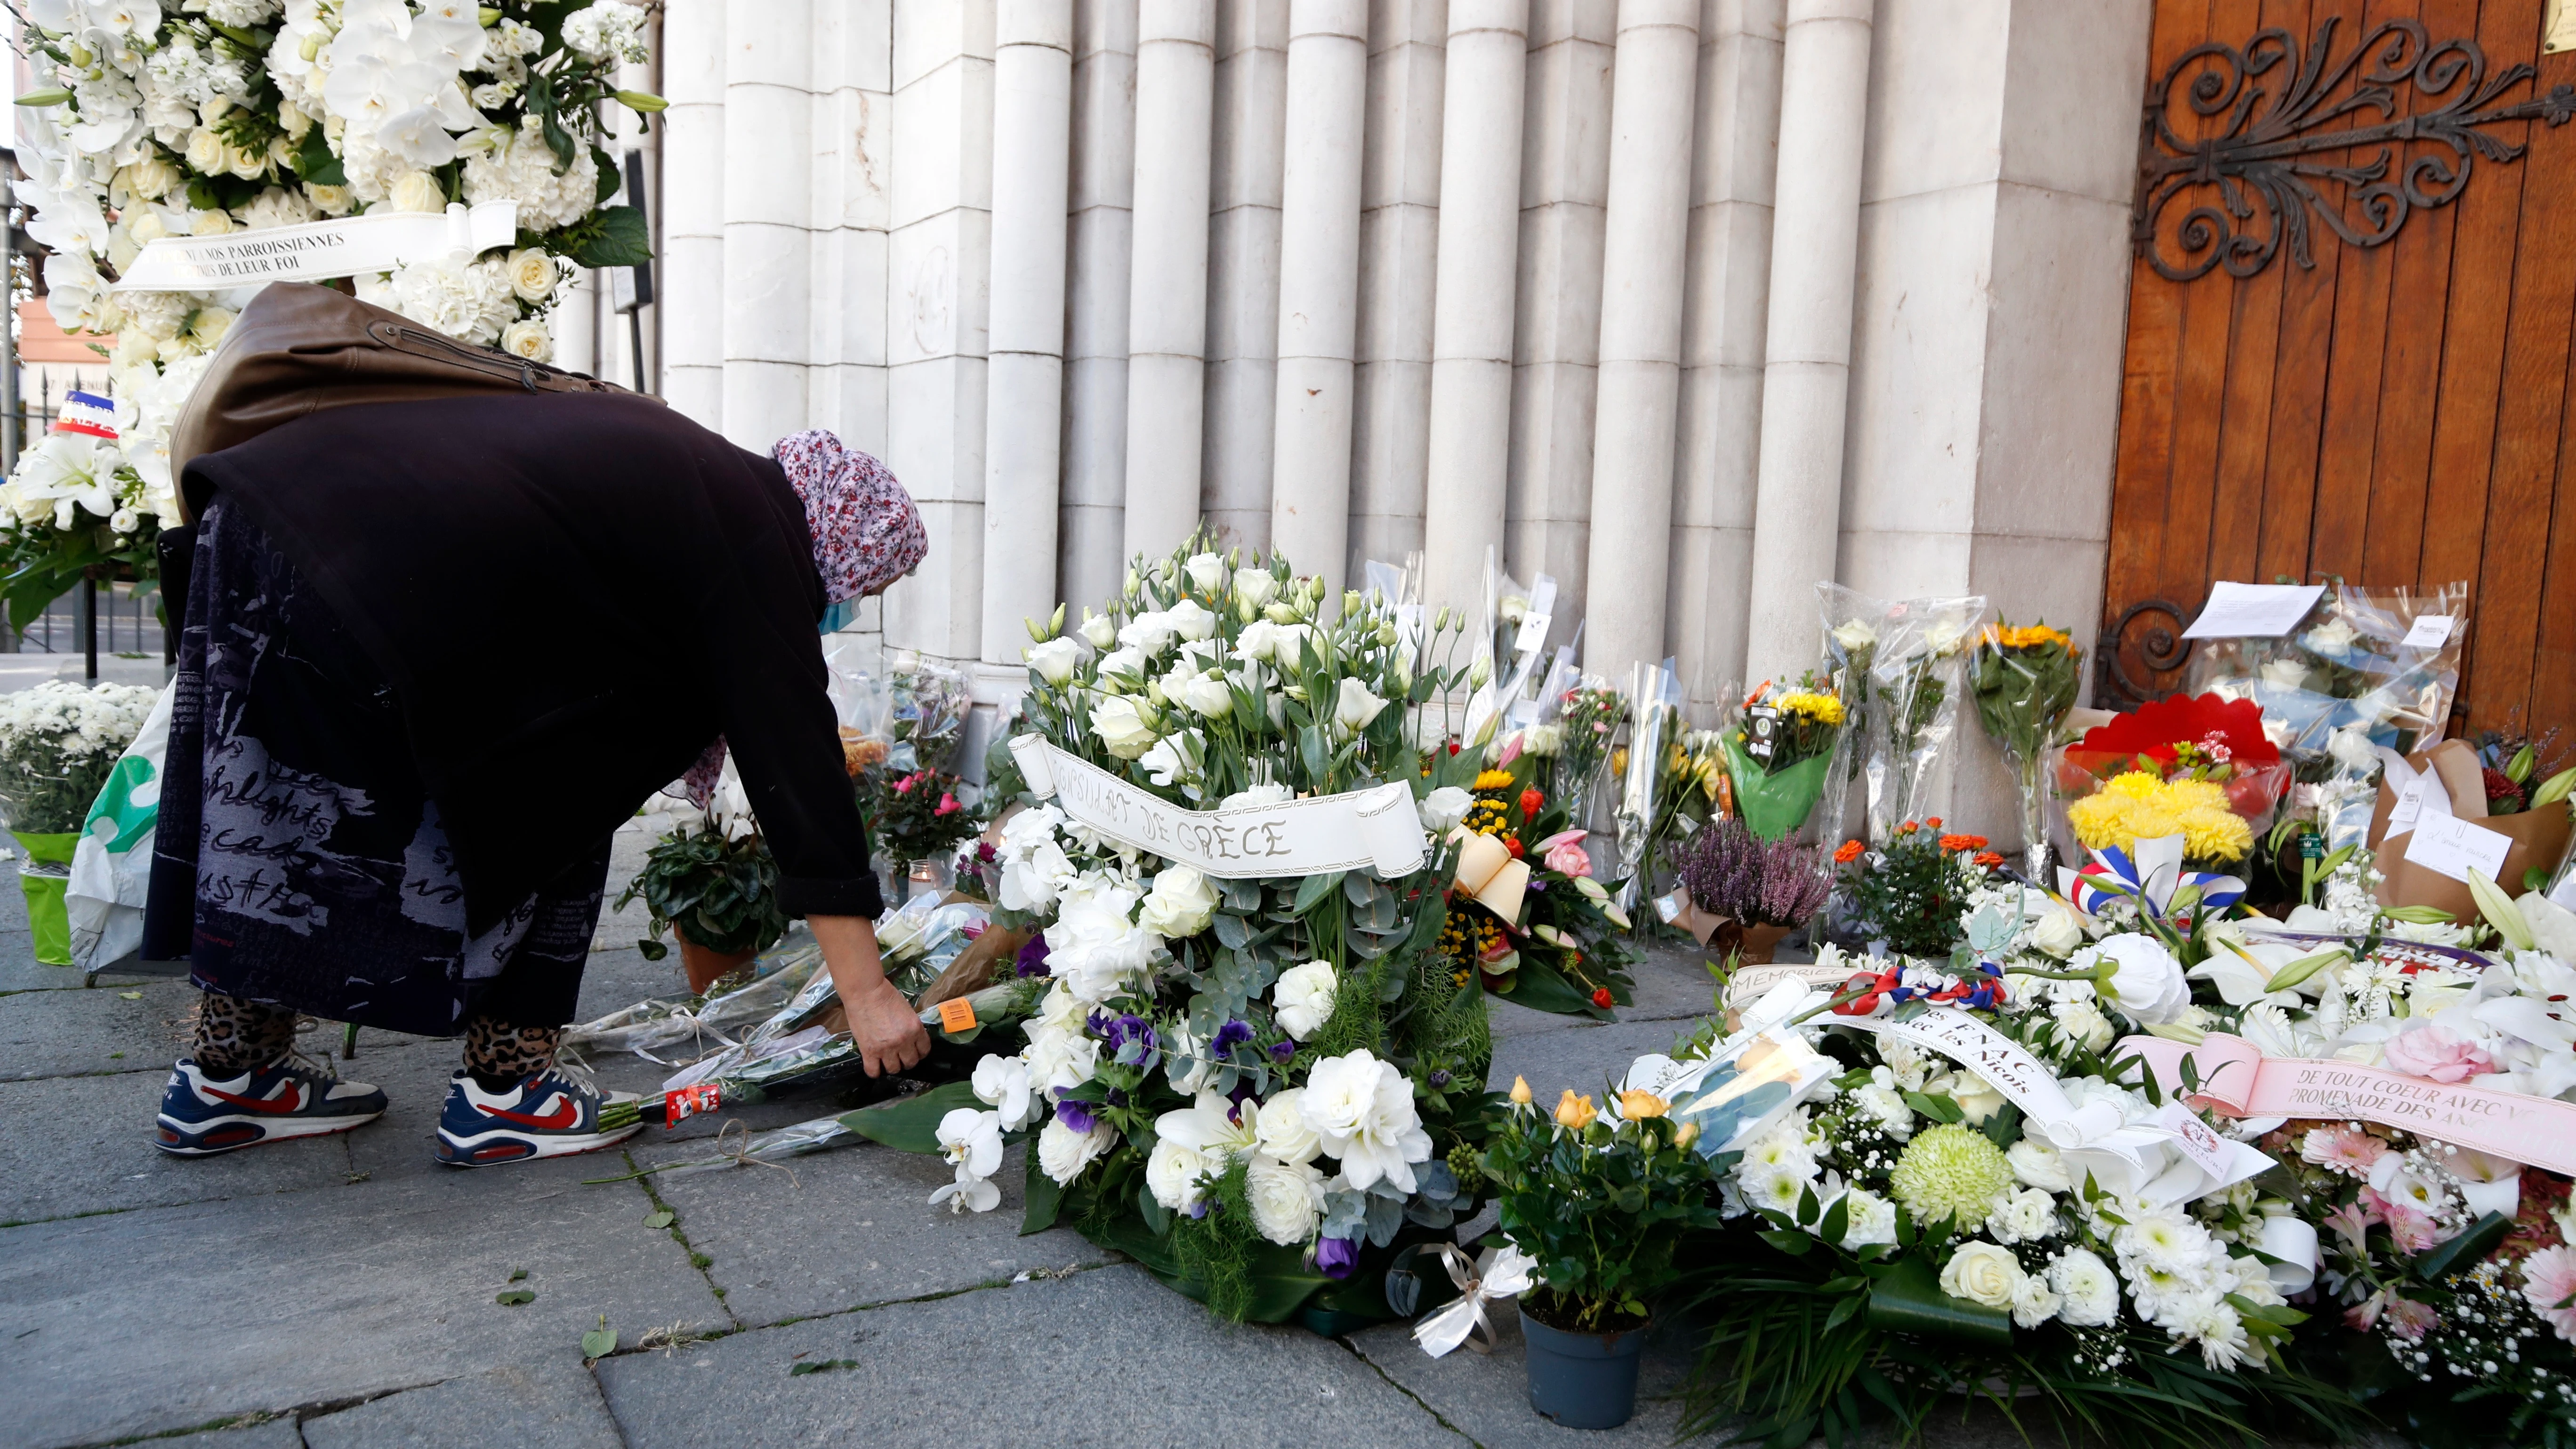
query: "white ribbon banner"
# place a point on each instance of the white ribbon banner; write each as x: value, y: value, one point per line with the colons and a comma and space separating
x: 313, y: 250
x: 1376, y: 828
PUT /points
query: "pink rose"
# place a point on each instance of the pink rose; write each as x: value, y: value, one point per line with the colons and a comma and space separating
x: 1564, y: 853
x: 2437, y: 1053
x: 947, y: 804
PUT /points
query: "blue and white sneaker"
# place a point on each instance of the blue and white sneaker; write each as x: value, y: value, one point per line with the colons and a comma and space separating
x: 203, y: 1115
x: 548, y: 1114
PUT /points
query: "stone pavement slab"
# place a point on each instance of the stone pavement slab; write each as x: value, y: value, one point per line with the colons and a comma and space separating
x: 1107, y: 1357
x: 1578, y: 1057
x: 852, y: 1226
x: 274, y: 1434
x: 61, y: 1033
x: 84, y: 1145
x: 553, y: 1404
x: 323, y: 1297
x: 1486, y: 1396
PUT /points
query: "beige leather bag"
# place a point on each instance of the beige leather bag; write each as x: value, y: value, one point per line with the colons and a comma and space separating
x: 299, y: 348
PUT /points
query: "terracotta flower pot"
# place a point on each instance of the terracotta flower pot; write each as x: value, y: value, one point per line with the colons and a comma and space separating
x: 705, y: 966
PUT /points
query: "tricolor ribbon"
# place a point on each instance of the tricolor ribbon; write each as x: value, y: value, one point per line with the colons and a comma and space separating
x: 1502, y: 1273
x: 2149, y: 872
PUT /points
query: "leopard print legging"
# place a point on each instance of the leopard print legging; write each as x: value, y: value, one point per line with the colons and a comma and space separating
x: 234, y: 1036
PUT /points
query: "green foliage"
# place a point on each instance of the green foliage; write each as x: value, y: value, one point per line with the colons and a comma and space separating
x: 721, y: 894
x: 1600, y: 1208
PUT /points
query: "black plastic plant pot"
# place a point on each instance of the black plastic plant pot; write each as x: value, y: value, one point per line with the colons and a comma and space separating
x: 1583, y: 1380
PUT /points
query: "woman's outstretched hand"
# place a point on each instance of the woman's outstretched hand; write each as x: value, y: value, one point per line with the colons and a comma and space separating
x: 883, y: 1025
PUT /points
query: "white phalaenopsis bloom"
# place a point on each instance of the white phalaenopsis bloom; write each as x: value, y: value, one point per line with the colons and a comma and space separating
x: 1002, y: 1083
x: 1362, y: 1109
x: 972, y: 1143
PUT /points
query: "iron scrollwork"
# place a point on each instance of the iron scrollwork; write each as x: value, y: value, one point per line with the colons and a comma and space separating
x: 2276, y: 148
x: 2160, y: 649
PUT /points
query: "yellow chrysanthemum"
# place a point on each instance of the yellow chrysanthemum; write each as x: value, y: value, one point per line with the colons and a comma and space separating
x: 2193, y: 795
x: 1493, y: 780
x: 2134, y: 785
x: 2027, y: 636
x: 2137, y: 806
x: 2216, y: 834
x: 1822, y: 708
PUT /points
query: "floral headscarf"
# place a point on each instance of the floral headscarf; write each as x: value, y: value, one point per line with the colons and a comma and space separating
x: 867, y: 534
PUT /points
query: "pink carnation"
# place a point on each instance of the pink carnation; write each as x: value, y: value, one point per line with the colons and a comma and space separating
x: 2437, y: 1053
x: 2549, y: 1284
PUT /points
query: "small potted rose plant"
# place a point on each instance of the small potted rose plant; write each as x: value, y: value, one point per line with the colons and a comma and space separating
x: 916, y: 821
x: 1598, y: 1197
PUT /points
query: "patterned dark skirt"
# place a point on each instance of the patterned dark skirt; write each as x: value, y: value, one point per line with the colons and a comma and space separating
x: 299, y: 857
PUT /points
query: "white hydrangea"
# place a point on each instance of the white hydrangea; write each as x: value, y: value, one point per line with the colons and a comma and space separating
x: 519, y: 166
x: 607, y: 29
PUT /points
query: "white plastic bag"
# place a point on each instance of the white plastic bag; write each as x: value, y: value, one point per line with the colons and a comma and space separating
x: 112, y: 863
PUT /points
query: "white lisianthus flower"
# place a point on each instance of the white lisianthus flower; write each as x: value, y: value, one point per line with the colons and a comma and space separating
x: 1303, y: 998
x: 2034, y: 1302
x: 1174, y: 759
x: 1002, y: 1083
x: 1122, y: 728
x: 1148, y: 633
x: 1287, y: 1199
x: 1182, y: 904
x: 2026, y: 1216
x: 1255, y: 589
x: 529, y: 338
x: 124, y: 520
x: 1063, y: 1153
x: 1442, y: 809
x: 1265, y: 793
x: 1356, y: 707
x: 2146, y: 983
x: 1207, y: 572
x: 1056, y: 659
x: 1122, y: 668
x: 1982, y: 1273
x: 1283, y: 1131
x: 972, y: 1142
x: 1208, y: 698
x: 1060, y: 1057
x: 1363, y: 1110
x: 1191, y: 621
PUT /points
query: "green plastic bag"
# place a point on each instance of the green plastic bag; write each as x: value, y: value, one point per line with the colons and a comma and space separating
x: 1774, y: 805
x: 47, y: 920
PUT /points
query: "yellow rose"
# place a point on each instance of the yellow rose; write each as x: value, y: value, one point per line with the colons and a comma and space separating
x: 1575, y: 1112
x: 1520, y: 1091
x: 328, y: 200
x: 1637, y: 1106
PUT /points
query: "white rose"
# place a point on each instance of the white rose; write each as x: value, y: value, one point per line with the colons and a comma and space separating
x: 1854, y: 635
x: 1976, y: 1097
x: 416, y: 191
x: 205, y: 152
x: 2145, y: 981
x: 1303, y: 998
x: 2084, y: 1022
x: 124, y: 520
x: 1063, y: 1153
x: 2090, y: 1290
x: 529, y: 339
x: 2285, y: 674
x: 1356, y: 707
x: 1122, y: 728
x: 1283, y: 1132
x: 1265, y: 793
x: 329, y: 200
x: 1181, y: 905
x: 246, y: 162
x: 533, y: 274
x: 1255, y: 590
x: 1982, y: 1273
x: 1442, y: 809
x: 1363, y: 1109
x: 1287, y: 1199
x: 1056, y: 659
x: 2058, y: 932
x: 2333, y: 636
x: 149, y: 179
x: 1207, y: 572
x: 2037, y: 1165
x: 1173, y: 1175
x: 2034, y: 1302
x: 211, y: 223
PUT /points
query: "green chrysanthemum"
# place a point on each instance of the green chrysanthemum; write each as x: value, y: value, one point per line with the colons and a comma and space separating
x: 1950, y: 1172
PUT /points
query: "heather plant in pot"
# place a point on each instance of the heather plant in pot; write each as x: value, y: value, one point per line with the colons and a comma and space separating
x: 1598, y: 1197
x: 1762, y: 889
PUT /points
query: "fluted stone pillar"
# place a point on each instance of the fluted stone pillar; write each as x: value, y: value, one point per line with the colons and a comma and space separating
x: 1319, y: 261
x: 1641, y: 331
x: 1023, y: 437
x: 1167, y: 298
x: 1806, y: 370
x: 691, y: 268
x: 768, y: 264
x: 1471, y: 348
x: 1091, y: 539
x: 1399, y: 263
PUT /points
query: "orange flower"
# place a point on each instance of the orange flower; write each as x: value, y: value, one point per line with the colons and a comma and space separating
x: 1847, y: 852
x: 1963, y: 842
x: 1934, y: 823
x: 1531, y: 803
x: 1575, y: 1112
x: 1908, y: 828
x: 1601, y: 997
x: 1989, y: 858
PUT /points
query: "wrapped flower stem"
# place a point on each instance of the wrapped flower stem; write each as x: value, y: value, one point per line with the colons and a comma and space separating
x: 2024, y: 680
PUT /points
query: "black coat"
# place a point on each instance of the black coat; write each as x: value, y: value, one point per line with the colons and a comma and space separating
x: 572, y: 595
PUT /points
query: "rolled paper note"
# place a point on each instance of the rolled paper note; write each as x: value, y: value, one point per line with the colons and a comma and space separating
x: 1487, y: 872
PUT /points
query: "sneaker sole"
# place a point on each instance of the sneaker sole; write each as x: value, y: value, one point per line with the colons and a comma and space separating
x: 501, y: 1149
x: 232, y: 1134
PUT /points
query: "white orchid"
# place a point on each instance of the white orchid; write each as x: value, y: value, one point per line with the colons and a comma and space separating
x: 972, y: 1143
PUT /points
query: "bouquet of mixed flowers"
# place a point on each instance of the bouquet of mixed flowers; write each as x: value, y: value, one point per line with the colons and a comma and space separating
x: 1561, y: 946
x: 1589, y: 716
x: 2024, y: 679
x: 58, y: 742
x: 1779, y: 750
x: 216, y: 116
x: 1250, y: 1084
x: 1910, y: 893
x: 1897, y: 666
x: 2199, y: 767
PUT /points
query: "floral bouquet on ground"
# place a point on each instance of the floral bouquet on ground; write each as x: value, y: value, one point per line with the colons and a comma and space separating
x: 58, y: 742
x: 1749, y: 892
x: 2024, y: 680
x: 1560, y: 947
x: 2198, y: 767
x: 1913, y: 893
x: 1588, y: 716
x: 1898, y: 668
x: 1779, y: 750
x: 1260, y: 1088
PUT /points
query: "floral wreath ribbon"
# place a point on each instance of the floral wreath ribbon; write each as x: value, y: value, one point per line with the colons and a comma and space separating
x: 2149, y: 872
x: 1505, y: 1272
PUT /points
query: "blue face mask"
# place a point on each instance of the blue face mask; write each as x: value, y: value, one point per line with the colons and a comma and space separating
x: 837, y: 617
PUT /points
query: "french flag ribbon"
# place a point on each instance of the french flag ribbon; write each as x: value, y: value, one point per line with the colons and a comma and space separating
x: 88, y: 414
x: 2151, y: 878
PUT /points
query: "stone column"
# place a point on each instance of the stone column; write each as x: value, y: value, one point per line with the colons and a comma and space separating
x: 691, y: 267
x: 1806, y: 367
x: 1319, y: 278
x: 1032, y: 117
x: 1641, y: 330
x: 1248, y: 134
x: 1471, y: 332
x: 768, y: 270
x: 853, y: 84
x: 1167, y: 298
x: 1399, y: 259
x: 1091, y: 537
x: 1728, y: 272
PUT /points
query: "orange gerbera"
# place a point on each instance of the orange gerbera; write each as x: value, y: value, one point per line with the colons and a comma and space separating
x: 1847, y: 852
x: 1963, y: 842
